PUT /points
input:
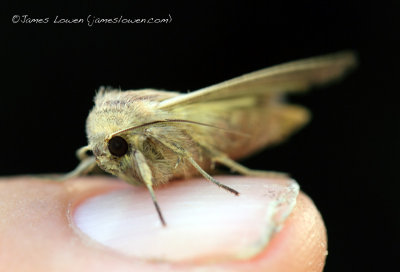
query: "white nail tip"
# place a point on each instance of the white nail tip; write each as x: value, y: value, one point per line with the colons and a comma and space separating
x: 203, y: 221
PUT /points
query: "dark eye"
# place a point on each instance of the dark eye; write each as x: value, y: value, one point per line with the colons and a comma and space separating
x: 118, y: 146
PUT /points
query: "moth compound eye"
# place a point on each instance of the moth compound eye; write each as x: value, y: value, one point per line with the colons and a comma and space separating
x: 117, y: 146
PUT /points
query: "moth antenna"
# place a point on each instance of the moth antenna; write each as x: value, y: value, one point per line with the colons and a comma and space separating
x: 177, y: 121
x: 210, y: 178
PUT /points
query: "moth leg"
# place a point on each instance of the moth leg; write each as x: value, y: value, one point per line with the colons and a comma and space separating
x: 87, y: 164
x: 181, y: 152
x: 146, y: 176
x: 81, y: 152
x: 178, y: 161
x: 237, y: 167
x: 210, y: 178
x: 84, y: 167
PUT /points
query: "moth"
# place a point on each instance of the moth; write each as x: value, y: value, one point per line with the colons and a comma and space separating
x: 152, y: 136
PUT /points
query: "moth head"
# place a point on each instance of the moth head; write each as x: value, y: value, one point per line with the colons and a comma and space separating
x: 114, y: 154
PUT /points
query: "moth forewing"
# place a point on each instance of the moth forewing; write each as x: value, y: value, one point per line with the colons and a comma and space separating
x: 151, y: 137
x: 293, y: 76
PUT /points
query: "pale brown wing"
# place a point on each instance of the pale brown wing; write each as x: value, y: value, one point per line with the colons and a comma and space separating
x: 284, y: 78
x: 252, y: 104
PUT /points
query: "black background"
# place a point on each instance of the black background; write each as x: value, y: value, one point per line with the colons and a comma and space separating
x: 346, y: 159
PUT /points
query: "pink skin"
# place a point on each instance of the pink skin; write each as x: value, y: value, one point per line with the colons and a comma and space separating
x: 38, y: 231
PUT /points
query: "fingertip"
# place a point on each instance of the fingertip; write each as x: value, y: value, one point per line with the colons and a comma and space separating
x: 301, y: 245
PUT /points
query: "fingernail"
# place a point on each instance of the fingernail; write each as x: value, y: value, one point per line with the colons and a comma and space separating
x: 204, y: 222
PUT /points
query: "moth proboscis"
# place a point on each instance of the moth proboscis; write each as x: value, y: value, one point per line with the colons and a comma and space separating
x: 151, y: 136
